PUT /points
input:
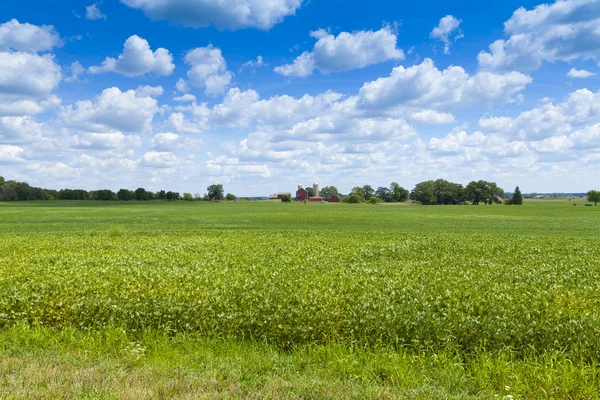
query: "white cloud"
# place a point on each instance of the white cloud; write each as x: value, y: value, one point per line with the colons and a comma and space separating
x: 580, y: 73
x: 431, y: 117
x: 160, y: 159
x: 233, y: 167
x: 93, y: 12
x: 24, y: 74
x: 253, y: 65
x: 233, y: 14
x: 446, y: 27
x: 562, y: 31
x: 112, y: 110
x: 197, y: 124
x: 28, y: 38
x: 240, y: 108
x: 173, y: 142
x: 105, y: 141
x: 21, y: 129
x: 137, y: 59
x: 455, y: 142
x: 345, y: 52
x: 149, y: 91
x: 586, y: 138
x: 76, y: 71
x: 185, y: 98
x: 182, y: 85
x: 580, y: 108
x: 10, y: 154
x: 426, y: 86
x: 15, y: 106
x: 208, y: 70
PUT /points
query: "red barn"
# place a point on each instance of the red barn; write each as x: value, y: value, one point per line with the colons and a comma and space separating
x: 302, y: 194
x: 334, y: 199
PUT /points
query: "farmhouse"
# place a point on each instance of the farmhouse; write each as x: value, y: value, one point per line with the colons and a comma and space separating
x: 279, y: 196
x: 334, y: 199
x: 302, y: 194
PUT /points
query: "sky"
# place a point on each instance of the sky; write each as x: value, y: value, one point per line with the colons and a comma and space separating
x: 261, y: 96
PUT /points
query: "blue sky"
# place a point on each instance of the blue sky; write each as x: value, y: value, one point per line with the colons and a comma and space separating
x: 261, y: 97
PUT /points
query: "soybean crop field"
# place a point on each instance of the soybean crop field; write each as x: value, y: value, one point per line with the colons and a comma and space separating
x: 272, y: 300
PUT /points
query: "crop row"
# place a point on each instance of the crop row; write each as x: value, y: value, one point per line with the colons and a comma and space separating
x: 427, y: 291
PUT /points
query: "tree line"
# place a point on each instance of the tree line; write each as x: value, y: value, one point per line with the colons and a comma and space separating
x: 21, y: 191
x: 430, y: 192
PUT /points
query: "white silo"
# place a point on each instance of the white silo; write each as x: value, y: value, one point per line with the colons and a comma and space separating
x: 316, y: 189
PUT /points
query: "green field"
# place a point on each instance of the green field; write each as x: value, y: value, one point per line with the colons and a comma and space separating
x: 272, y: 300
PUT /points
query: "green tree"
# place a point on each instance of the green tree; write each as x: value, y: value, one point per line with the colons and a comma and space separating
x: 215, y: 192
x: 368, y: 192
x: 126, y: 195
x: 384, y: 194
x: 162, y: 195
x: 483, y: 191
x: 593, y: 196
x: 310, y: 191
x: 398, y: 193
x: 328, y: 191
x: 188, y: 197
x: 517, y: 198
x: 172, y: 196
x: 231, y: 197
x: 424, y: 193
x: 357, y: 190
x: 353, y: 198
x: 286, y: 199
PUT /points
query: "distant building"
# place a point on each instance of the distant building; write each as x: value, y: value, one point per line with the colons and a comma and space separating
x: 334, y: 199
x: 279, y: 196
x: 302, y: 194
x: 316, y: 198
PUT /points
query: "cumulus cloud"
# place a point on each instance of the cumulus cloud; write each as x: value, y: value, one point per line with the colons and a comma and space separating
x: 21, y: 130
x: 455, y: 142
x: 208, y: 70
x: 447, y: 31
x: 93, y: 12
x: 240, y: 108
x: 431, y: 117
x: 11, y: 105
x: 426, y: 86
x: 345, y: 52
x: 104, y: 141
x: 197, y: 120
x: 562, y: 31
x: 160, y: 159
x: 253, y: 65
x: 580, y: 73
x: 227, y: 166
x: 28, y: 74
x: 169, y: 142
x: 149, y: 91
x: 27, y: 37
x: 137, y: 59
x: 112, y: 111
x: 580, y: 108
x: 10, y: 154
x: 233, y: 14
x: 185, y: 98
x: 76, y: 71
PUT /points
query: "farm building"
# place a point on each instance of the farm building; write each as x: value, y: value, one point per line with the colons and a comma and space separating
x: 334, y: 199
x: 279, y: 196
x: 316, y: 198
x: 302, y: 194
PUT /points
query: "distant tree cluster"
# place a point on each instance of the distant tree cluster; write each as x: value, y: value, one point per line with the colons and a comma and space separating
x: 21, y: 191
x: 444, y: 192
x: 593, y: 196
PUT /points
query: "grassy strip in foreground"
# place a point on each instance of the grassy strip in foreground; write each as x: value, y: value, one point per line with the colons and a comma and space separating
x: 43, y: 363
